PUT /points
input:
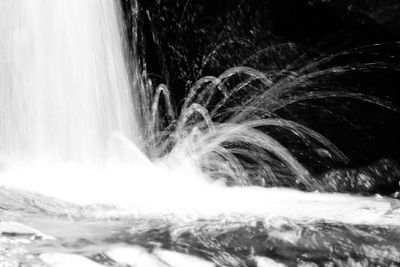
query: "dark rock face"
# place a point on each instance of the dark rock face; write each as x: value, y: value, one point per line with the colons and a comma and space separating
x: 381, y: 177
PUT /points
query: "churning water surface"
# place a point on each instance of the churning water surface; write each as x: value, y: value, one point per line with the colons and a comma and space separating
x: 74, y: 175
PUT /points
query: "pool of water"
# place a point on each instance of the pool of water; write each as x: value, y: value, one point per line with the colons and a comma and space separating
x: 37, y: 231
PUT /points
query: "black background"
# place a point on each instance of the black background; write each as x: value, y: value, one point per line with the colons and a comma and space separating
x: 175, y: 38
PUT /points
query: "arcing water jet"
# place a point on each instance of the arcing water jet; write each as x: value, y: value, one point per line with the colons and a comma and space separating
x: 76, y: 118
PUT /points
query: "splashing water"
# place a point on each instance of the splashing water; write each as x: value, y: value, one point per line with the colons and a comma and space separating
x: 76, y: 119
x: 66, y: 92
x: 71, y: 124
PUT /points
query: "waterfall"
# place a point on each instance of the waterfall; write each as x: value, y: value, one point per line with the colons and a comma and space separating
x: 70, y: 127
x: 65, y: 84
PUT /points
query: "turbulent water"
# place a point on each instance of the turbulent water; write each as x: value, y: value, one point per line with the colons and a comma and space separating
x: 75, y: 122
x: 72, y: 235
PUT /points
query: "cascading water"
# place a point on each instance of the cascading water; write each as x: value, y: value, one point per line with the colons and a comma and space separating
x: 68, y: 99
x: 75, y: 118
x: 65, y: 86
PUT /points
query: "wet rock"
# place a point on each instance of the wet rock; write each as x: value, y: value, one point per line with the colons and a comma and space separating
x: 15, y: 241
x: 14, y: 252
x: 308, y: 264
x: 177, y: 259
x: 134, y: 256
x: 267, y: 262
x: 141, y: 257
x: 18, y: 229
x: 396, y: 195
x: 381, y: 177
x: 67, y: 260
